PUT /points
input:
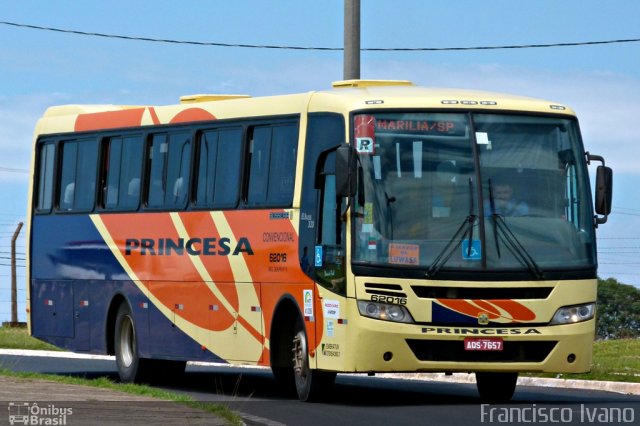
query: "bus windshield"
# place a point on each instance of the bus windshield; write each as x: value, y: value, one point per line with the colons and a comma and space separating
x: 471, y: 192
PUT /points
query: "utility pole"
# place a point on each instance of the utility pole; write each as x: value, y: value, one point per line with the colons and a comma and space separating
x: 14, y: 285
x: 351, y: 39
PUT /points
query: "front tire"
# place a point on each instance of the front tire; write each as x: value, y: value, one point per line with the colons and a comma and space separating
x: 496, y: 387
x: 311, y: 384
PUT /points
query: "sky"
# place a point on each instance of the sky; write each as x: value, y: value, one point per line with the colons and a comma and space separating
x: 601, y: 83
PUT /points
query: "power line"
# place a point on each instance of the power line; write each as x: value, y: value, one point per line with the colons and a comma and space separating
x: 625, y: 208
x: 13, y: 170
x: 268, y: 46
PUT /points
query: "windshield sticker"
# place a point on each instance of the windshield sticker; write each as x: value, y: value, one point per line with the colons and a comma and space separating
x: 377, y: 167
x: 471, y: 253
x: 364, y: 129
x: 367, y: 225
x: 372, y: 243
x: 364, y: 145
x: 417, y: 159
x: 318, y: 257
x: 404, y: 254
x: 482, y: 138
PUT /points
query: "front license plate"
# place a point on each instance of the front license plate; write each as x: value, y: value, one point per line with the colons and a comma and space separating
x: 483, y: 344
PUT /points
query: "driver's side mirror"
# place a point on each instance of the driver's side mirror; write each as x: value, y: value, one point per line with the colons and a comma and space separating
x: 604, y: 189
x: 345, y: 176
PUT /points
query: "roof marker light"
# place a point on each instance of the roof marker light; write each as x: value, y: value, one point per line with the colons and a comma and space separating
x: 449, y: 102
x: 559, y: 107
x: 488, y: 103
x: 469, y: 102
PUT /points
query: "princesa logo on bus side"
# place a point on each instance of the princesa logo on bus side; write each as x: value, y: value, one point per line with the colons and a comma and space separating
x: 193, y: 246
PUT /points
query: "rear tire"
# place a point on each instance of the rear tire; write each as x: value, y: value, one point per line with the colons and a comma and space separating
x: 496, y: 387
x: 311, y: 384
x: 131, y: 368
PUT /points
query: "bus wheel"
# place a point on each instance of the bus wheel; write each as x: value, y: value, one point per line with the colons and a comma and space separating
x: 131, y: 368
x: 496, y: 387
x: 311, y: 384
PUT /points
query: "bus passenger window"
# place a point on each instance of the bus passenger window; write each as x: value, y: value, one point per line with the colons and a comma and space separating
x: 283, y: 165
x: 219, y: 168
x: 259, y: 152
x: 272, y: 157
x: 170, y: 163
x: 45, y: 177
x: 78, y: 175
x: 122, y: 171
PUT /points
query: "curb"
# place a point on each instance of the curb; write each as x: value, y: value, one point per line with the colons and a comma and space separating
x: 617, y: 387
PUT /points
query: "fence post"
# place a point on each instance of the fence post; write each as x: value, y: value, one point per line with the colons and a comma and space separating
x: 14, y: 285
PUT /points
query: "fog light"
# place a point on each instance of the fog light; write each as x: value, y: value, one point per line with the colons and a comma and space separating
x: 571, y: 358
x: 387, y: 356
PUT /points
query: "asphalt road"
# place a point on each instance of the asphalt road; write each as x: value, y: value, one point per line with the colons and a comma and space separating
x: 362, y: 400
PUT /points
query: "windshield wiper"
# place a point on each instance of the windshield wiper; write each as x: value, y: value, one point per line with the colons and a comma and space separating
x: 450, y: 248
x: 501, y: 229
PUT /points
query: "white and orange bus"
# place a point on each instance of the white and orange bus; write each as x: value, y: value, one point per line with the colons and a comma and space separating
x: 373, y: 227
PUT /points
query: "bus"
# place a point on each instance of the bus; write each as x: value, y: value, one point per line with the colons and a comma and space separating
x: 376, y: 226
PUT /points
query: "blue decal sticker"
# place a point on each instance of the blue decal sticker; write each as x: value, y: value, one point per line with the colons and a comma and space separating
x: 473, y: 253
x: 318, y: 256
x: 279, y: 215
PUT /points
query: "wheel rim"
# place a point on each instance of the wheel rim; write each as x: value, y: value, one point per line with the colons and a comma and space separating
x: 127, y: 341
x: 300, y: 356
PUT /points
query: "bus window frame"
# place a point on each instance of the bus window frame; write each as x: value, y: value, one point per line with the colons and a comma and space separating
x: 249, y: 131
x: 105, y: 141
x: 79, y: 138
x: 193, y: 200
x: 40, y: 144
x: 146, y: 172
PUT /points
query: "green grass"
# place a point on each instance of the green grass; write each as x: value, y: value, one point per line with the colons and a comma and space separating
x: 613, y: 360
x: 133, y: 389
x: 18, y: 338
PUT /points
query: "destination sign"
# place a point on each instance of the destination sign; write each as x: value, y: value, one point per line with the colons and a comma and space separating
x: 436, y: 127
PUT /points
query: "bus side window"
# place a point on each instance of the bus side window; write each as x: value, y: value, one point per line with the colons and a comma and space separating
x: 45, y: 177
x: 272, y: 160
x: 260, y: 155
x: 170, y: 163
x: 219, y: 168
x: 120, y: 173
x: 78, y: 175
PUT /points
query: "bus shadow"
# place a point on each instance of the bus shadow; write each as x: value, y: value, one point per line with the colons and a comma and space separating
x: 360, y: 390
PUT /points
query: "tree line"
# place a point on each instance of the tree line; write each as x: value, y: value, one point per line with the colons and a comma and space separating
x: 618, y: 312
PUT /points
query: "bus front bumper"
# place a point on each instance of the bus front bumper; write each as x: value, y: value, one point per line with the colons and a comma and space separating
x: 383, y: 346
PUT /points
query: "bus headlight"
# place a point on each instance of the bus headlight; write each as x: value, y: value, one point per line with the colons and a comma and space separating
x: 573, y: 314
x: 383, y: 311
